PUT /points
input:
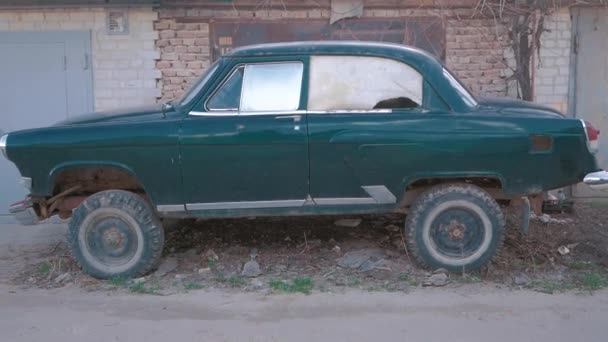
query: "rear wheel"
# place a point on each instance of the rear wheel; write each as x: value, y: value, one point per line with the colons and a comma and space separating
x: 459, y: 227
x: 116, y: 233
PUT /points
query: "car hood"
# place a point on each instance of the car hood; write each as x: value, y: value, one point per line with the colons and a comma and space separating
x: 142, y: 113
x: 509, y: 106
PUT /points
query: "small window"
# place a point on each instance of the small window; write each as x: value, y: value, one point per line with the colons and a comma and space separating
x: 362, y: 83
x: 228, y: 96
x: 272, y: 87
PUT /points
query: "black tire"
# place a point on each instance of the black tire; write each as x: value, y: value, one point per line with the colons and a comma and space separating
x: 116, y: 233
x: 458, y: 227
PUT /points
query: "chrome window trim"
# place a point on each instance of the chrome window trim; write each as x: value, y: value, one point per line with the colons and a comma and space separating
x: 288, y: 112
x: 351, y: 111
x: 245, y: 205
x: 169, y: 208
x: 3, y: 140
x: 292, y: 112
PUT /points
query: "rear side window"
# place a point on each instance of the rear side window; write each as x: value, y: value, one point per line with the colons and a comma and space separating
x: 260, y: 87
x: 362, y: 83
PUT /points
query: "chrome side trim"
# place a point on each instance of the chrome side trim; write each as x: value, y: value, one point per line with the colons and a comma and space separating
x: 230, y: 113
x: 26, y: 182
x: 351, y: 111
x: 245, y: 205
x: 380, y: 194
x: 170, y: 208
x: 345, y: 201
x: 597, y: 180
x: 3, y: 140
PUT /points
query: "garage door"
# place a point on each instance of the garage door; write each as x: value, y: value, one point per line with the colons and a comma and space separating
x: 592, y: 80
x: 46, y: 77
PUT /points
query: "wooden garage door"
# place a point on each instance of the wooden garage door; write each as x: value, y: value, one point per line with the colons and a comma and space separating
x: 46, y: 77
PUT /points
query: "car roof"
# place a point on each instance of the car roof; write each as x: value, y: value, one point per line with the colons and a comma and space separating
x: 331, y: 47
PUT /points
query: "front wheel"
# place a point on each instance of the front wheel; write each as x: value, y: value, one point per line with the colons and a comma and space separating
x: 116, y: 233
x: 459, y: 227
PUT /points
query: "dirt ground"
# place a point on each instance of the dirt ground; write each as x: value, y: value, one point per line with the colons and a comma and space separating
x: 308, y: 254
x: 307, y: 290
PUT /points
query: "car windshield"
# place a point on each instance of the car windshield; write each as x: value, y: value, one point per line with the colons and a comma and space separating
x: 464, y: 93
x: 198, y: 85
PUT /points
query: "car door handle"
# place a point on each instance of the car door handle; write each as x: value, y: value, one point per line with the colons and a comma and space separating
x: 295, y: 118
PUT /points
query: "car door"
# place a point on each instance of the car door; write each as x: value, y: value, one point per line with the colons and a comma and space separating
x: 368, y: 121
x: 245, y: 145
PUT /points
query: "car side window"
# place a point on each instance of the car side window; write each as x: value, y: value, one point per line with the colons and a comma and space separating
x: 260, y: 87
x: 272, y: 87
x: 228, y: 96
x: 362, y: 83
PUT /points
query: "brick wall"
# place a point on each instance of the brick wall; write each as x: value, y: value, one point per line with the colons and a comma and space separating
x: 552, y: 73
x: 124, y: 66
x: 475, y: 48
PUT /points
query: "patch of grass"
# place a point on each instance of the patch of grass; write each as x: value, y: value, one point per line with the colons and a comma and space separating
x: 303, y: 285
x: 593, y: 281
x: 118, y: 281
x: 236, y: 281
x: 470, y: 279
x: 212, y: 263
x: 404, y: 276
x: 582, y: 265
x: 193, y: 286
x: 44, y: 269
x: 354, y: 281
x: 551, y: 286
x: 142, y: 289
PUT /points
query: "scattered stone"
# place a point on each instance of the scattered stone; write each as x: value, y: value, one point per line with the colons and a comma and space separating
x: 138, y: 280
x: 331, y: 242
x: 348, y: 223
x: 256, y: 284
x: 544, y: 218
x: 337, y: 249
x: 340, y: 281
x: 203, y: 270
x: 440, y: 270
x: 63, y: 278
x: 316, y: 243
x: 521, y: 279
x: 369, y: 265
x: 251, y: 269
x: 392, y: 228
x: 191, y: 253
x: 179, y: 277
x: 362, y: 259
x: 287, y: 239
x: 278, y: 268
x: 168, y: 265
x: 210, y: 254
x: 436, y: 279
x: 563, y: 250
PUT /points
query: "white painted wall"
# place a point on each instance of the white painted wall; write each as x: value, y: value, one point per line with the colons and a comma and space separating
x: 552, y: 73
x: 124, y: 66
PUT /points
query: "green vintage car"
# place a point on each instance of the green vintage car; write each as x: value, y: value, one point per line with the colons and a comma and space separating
x: 310, y: 128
